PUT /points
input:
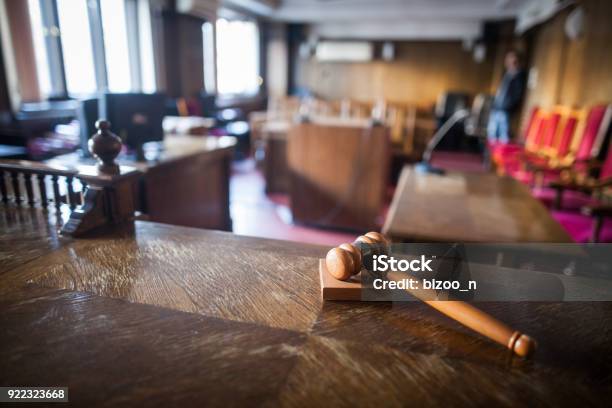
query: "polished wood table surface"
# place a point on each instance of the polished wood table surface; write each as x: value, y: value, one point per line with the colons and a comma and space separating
x: 467, y: 207
x: 172, y: 316
x: 185, y: 181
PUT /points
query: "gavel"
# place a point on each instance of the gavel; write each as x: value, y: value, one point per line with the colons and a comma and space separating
x: 346, y: 260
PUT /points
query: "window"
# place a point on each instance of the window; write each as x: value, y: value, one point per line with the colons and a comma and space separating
x: 210, y: 83
x: 87, y: 46
x: 38, y: 34
x: 237, y: 57
x: 116, y: 52
x: 147, y: 57
x: 76, y: 46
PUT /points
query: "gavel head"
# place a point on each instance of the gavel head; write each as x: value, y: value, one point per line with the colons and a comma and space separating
x: 346, y: 260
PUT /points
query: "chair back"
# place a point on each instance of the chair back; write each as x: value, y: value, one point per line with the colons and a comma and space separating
x: 476, y: 123
x: 591, y: 131
x: 528, y: 132
x: 536, y: 130
x: 602, y: 132
x: 606, y: 170
x: 567, y: 135
x: 550, y: 130
x: 396, y: 120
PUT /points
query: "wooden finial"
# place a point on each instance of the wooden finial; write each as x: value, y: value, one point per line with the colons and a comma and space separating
x: 105, y: 146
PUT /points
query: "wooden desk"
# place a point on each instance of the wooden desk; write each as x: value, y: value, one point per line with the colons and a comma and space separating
x: 339, y: 172
x: 467, y: 207
x: 27, y: 234
x: 171, y: 316
x: 184, y: 183
x: 276, y: 172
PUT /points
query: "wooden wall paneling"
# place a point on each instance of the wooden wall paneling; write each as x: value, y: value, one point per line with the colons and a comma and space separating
x: 23, y: 49
x: 183, y: 52
x: 421, y: 71
x: 572, y: 72
x: 277, y: 55
x: 5, y: 97
x: 597, y: 53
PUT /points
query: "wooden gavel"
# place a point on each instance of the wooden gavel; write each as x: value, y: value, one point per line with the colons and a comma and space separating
x: 347, y: 260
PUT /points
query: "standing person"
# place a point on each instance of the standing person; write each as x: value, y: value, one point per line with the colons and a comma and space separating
x: 507, y: 99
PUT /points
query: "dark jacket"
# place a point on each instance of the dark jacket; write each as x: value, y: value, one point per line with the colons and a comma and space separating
x: 510, y: 91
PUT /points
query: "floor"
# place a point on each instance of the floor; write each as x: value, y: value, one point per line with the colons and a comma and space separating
x: 256, y: 214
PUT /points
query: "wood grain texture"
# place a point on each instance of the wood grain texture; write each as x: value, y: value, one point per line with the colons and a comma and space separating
x: 138, y: 355
x: 174, y: 316
x: 187, y: 269
x: 20, y: 25
x: 338, y: 174
x: 366, y: 374
x: 26, y: 234
x: 276, y: 171
x: 462, y: 207
x: 420, y: 72
x: 182, y: 67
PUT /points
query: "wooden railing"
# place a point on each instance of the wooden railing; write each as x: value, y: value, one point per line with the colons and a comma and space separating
x: 95, y: 195
x: 34, y: 178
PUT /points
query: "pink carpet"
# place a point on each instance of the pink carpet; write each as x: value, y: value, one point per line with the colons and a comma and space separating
x: 580, y: 226
x: 255, y: 214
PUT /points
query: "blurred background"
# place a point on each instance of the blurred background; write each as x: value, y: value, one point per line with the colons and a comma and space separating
x: 322, y: 103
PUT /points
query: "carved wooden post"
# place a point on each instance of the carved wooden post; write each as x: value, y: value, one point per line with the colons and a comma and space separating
x: 105, y: 146
x: 109, y: 198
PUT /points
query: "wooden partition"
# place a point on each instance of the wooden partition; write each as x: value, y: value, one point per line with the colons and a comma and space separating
x: 185, y: 183
x: 338, y: 173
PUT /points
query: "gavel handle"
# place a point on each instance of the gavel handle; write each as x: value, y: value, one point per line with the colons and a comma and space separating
x: 473, y: 318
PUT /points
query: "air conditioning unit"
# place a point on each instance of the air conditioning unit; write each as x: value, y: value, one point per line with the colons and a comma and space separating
x: 344, y: 51
x: 206, y: 9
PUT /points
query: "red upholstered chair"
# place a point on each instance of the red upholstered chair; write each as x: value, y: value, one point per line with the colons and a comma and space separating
x: 584, y: 183
x: 557, y: 138
x: 500, y: 151
x: 577, y: 163
x: 541, y: 137
x: 567, y: 136
x: 593, y: 223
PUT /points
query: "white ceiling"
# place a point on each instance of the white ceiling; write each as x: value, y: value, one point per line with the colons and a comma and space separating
x: 392, y: 19
x: 351, y: 10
